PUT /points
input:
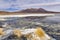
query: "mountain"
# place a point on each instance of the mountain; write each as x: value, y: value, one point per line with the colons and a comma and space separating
x: 35, y: 10
x: 30, y: 10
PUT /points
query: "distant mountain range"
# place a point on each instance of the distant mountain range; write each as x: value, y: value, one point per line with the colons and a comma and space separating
x: 36, y: 10
x: 30, y: 10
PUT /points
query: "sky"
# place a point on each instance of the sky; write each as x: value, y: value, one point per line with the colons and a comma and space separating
x: 16, y: 5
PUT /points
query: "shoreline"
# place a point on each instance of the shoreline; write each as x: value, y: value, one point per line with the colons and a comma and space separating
x: 26, y: 15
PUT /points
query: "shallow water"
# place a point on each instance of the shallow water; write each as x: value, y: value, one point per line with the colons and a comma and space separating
x: 53, y: 19
x: 22, y: 22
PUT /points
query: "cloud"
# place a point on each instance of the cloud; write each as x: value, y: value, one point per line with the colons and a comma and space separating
x: 41, y: 4
x: 26, y: 3
x: 22, y: 4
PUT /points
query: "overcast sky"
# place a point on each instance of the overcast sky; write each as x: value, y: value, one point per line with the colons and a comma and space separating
x: 16, y: 5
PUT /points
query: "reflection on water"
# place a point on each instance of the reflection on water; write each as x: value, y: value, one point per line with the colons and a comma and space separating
x: 16, y: 20
x: 20, y: 21
x: 53, y: 19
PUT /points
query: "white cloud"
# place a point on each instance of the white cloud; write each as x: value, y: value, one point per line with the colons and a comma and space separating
x: 21, y: 4
x: 25, y: 3
x: 4, y: 5
x: 41, y: 4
